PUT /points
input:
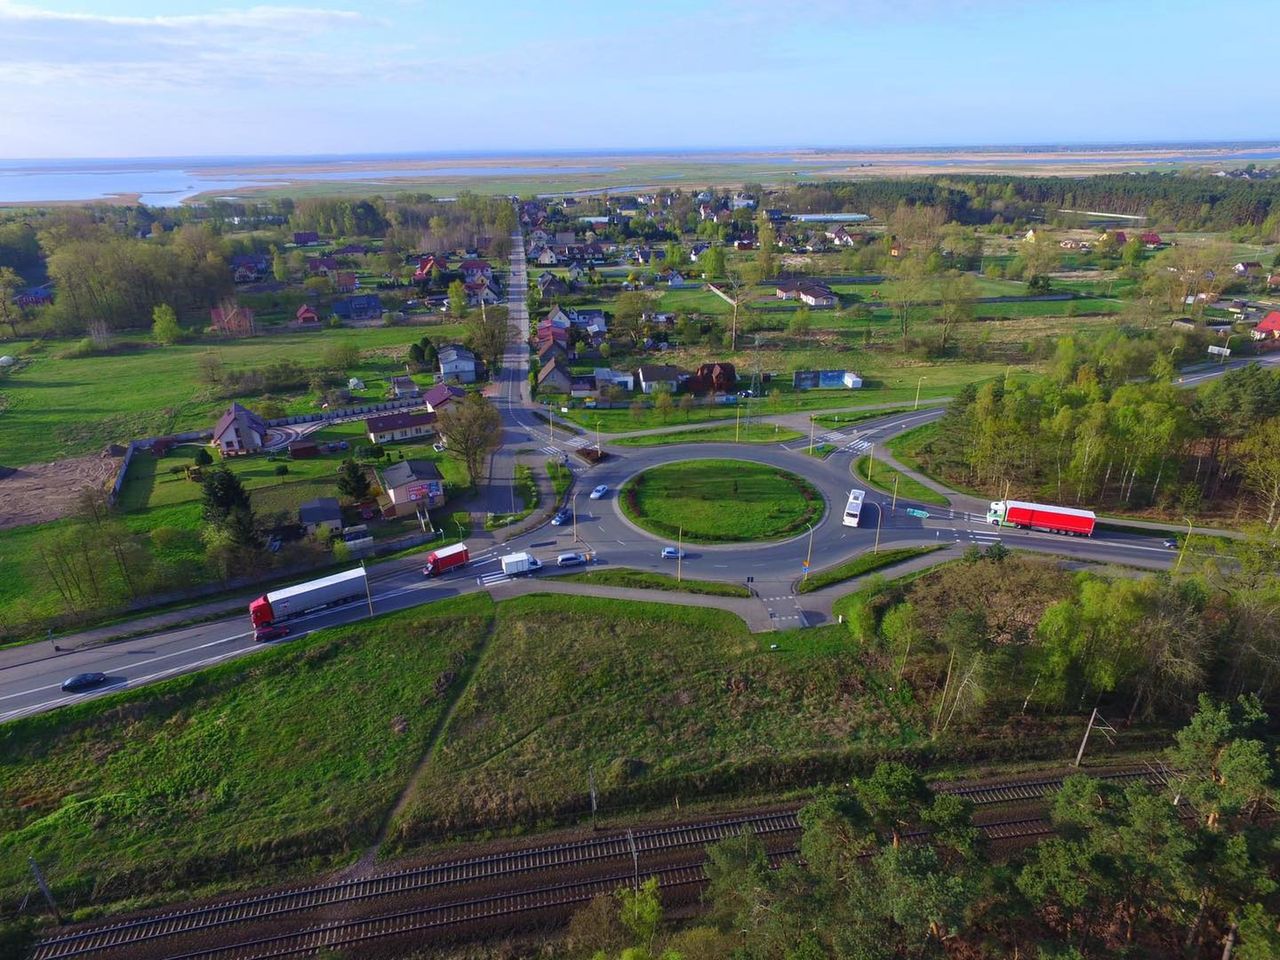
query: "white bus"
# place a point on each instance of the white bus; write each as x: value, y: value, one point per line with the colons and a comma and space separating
x: 853, y: 509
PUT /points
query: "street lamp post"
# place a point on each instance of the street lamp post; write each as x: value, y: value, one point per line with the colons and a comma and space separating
x: 809, y: 557
x: 1181, y: 553
x: 598, y: 453
x: 737, y: 421
x: 679, y: 553
x: 575, y: 515
x: 918, y: 384
x: 879, y: 517
x: 894, y: 508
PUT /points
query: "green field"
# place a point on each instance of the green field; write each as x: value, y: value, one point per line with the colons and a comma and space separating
x: 644, y: 580
x: 659, y: 701
x: 53, y: 407
x: 834, y: 421
x: 720, y: 501
x: 859, y: 565
x: 285, y: 761
x: 745, y: 433
x: 884, y: 477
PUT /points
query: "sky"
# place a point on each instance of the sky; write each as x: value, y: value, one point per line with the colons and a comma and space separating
x: 129, y: 78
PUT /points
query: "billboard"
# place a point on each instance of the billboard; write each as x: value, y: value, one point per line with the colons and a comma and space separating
x: 428, y: 490
x: 820, y: 380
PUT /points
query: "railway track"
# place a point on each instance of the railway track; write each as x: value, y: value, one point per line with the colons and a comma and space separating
x: 488, y: 868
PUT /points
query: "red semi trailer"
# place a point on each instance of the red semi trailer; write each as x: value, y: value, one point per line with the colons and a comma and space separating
x: 1039, y: 516
x: 446, y: 558
x: 289, y: 602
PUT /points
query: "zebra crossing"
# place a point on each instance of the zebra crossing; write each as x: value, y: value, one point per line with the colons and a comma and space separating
x: 492, y: 579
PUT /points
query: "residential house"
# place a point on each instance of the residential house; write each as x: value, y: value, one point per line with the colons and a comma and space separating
x: 549, y: 350
x: 321, y: 516
x: 586, y: 318
x: 1268, y: 327
x: 367, y: 306
x: 697, y: 250
x: 814, y: 293
x: 555, y: 377
x: 322, y: 266
x: 344, y: 281
x: 457, y: 363
x: 1247, y: 268
x: 576, y: 272
x: 410, y: 485
x: 551, y: 286
x: 239, y: 431
x: 648, y: 255
x: 605, y: 376
x: 540, y: 237
x: 676, y: 279
x: 304, y: 238
x: 547, y: 257
x: 559, y: 317
x: 403, y: 388
x: 232, y: 320
x: 581, y: 387
x: 476, y: 271
x: 564, y: 237
x: 1151, y: 241
x: 1117, y: 237
x: 546, y: 333
x: 392, y: 427
x: 896, y: 249
x: 441, y: 395
x: 706, y: 211
x: 427, y: 265
x: 653, y: 376
x: 304, y: 449
x: 480, y: 292
x: 1273, y: 280
x: 658, y: 319
x: 744, y: 244
x: 250, y: 267
x: 742, y: 201
x: 306, y: 316
x: 774, y: 215
x: 713, y: 378
x: 841, y: 237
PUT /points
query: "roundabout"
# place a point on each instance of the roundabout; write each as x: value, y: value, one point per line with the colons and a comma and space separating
x: 720, y: 501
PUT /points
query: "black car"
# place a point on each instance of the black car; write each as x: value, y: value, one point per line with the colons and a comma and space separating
x: 83, y: 681
x: 271, y: 632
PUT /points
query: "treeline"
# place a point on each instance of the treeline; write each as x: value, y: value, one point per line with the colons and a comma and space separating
x: 1108, y: 427
x: 1171, y: 201
x: 1001, y: 638
x: 889, y: 869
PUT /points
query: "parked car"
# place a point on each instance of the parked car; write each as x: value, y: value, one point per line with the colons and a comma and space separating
x: 599, y: 491
x: 271, y: 632
x: 563, y: 516
x: 83, y: 681
x: 672, y: 553
x: 438, y: 446
x: 570, y: 560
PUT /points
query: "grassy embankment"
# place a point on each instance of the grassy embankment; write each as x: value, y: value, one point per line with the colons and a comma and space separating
x: 689, y: 499
x: 860, y: 565
x: 286, y: 761
x: 879, y: 475
x: 645, y: 580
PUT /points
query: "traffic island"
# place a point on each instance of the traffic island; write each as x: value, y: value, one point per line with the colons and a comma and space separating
x: 720, y: 501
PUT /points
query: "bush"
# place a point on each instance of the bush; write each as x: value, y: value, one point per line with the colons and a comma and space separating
x: 281, y: 469
x: 371, y: 451
x: 203, y: 457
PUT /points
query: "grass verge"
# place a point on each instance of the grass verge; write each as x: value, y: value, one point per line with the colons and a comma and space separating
x: 834, y: 421
x: 527, y: 491
x: 644, y: 580
x: 747, y: 433
x: 860, y: 565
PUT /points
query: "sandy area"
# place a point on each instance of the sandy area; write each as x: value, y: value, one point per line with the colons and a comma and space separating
x: 47, y: 491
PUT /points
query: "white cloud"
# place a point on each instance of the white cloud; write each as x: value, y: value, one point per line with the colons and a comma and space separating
x: 252, y: 18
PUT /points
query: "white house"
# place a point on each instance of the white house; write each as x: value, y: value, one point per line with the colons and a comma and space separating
x: 457, y: 363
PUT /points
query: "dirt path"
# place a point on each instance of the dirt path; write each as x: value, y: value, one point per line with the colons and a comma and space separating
x: 47, y: 491
x: 369, y: 857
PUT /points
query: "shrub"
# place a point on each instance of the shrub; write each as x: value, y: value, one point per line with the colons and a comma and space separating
x: 281, y: 469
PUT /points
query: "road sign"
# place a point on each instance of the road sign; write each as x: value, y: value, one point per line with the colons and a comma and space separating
x: 1220, y: 351
x: 920, y: 514
x: 804, y: 564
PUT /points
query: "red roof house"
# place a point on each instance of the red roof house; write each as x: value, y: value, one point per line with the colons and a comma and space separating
x: 307, y: 314
x: 1269, y: 327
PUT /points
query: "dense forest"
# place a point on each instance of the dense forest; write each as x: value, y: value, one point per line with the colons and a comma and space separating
x: 1171, y: 201
x: 1108, y: 427
x: 888, y: 869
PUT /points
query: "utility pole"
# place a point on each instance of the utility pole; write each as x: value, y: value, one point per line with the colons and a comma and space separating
x: 809, y: 558
x: 918, y: 383
x: 879, y: 517
x: 1095, y: 719
x: 635, y: 860
x: 44, y: 888
x: 894, y: 508
x: 812, y: 423
x: 1181, y: 553
x: 679, y: 552
x: 367, y: 592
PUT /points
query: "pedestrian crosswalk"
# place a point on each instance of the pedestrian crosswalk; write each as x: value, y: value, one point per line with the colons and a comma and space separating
x: 857, y: 446
x: 577, y: 443
x: 492, y: 579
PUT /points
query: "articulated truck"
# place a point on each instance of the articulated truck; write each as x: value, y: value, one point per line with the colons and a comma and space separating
x: 289, y: 602
x: 1039, y: 516
x: 446, y: 558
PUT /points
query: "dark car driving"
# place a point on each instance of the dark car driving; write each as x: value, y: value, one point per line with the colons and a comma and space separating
x: 83, y: 681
